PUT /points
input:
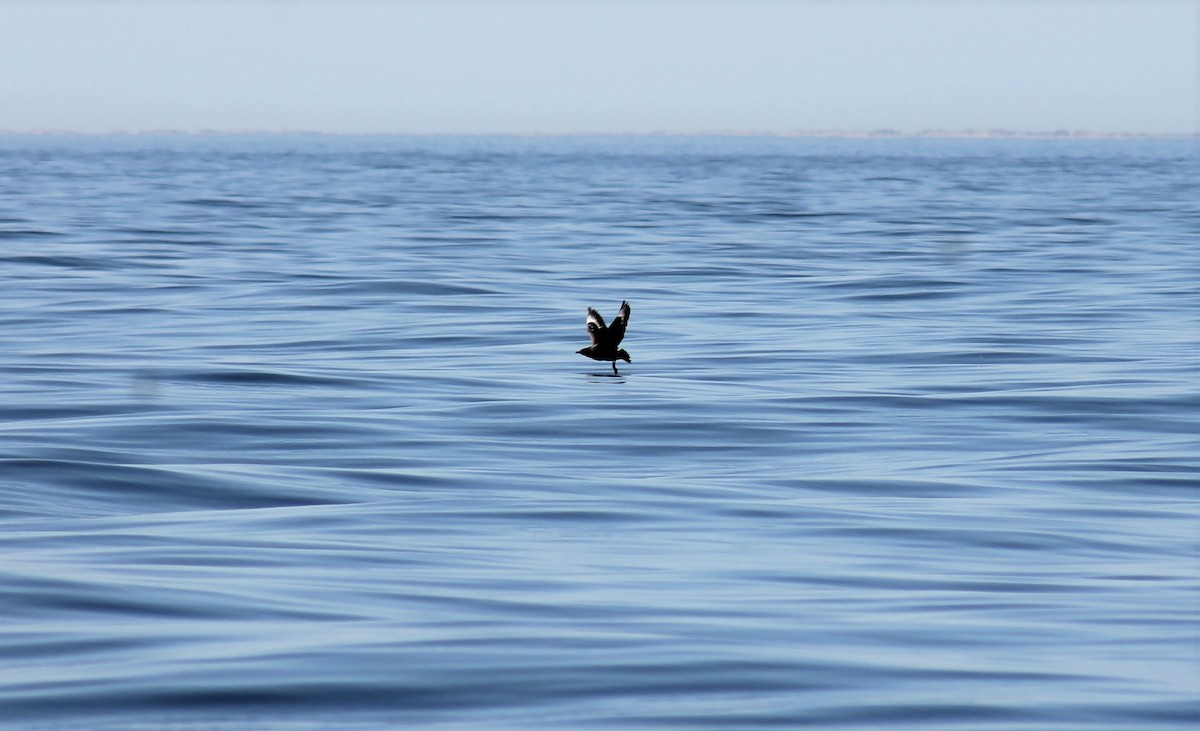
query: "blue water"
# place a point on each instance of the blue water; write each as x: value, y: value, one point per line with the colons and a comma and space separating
x: 293, y: 434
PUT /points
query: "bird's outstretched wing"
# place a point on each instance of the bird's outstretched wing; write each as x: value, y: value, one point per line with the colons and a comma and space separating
x: 595, y: 326
x: 616, y: 331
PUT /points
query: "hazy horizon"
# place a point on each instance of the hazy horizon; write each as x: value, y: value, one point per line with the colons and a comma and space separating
x: 881, y: 133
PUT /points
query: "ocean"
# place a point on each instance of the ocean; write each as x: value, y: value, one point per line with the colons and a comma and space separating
x: 293, y: 433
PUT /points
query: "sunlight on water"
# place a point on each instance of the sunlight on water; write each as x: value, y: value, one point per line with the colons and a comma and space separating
x: 295, y: 435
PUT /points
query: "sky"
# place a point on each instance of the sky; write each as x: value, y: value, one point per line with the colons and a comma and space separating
x: 613, y: 66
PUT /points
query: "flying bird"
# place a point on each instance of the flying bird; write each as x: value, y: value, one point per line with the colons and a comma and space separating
x: 606, y: 338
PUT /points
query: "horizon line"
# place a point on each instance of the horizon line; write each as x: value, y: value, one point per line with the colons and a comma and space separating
x: 930, y: 133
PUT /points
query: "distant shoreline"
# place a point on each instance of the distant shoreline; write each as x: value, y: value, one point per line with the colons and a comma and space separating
x: 996, y: 134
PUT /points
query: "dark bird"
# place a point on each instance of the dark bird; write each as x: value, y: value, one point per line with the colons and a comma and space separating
x: 606, y: 338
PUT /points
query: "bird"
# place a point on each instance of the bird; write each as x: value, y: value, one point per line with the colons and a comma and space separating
x: 606, y: 338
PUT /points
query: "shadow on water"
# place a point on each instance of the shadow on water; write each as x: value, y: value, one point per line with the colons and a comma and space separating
x: 608, y: 375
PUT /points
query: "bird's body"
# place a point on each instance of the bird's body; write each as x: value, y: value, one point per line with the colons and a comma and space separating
x: 606, y: 338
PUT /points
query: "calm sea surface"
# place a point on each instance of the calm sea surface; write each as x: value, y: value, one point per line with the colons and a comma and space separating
x: 293, y: 434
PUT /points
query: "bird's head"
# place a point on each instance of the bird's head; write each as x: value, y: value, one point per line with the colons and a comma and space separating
x: 623, y: 355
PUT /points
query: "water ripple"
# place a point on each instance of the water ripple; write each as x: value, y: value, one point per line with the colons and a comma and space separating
x: 294, y: 435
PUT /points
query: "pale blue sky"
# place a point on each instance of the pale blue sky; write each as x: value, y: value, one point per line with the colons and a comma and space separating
x: 617, y: 66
